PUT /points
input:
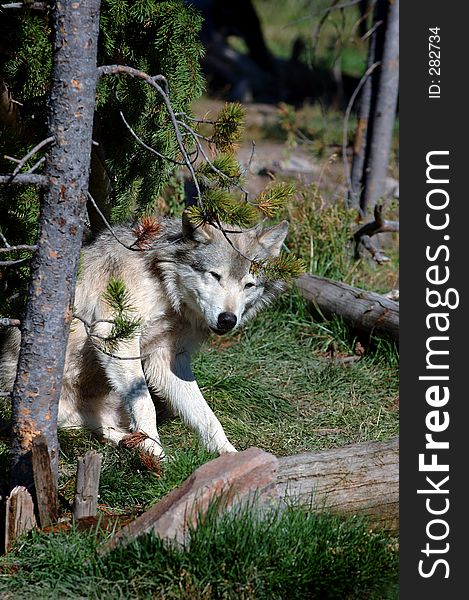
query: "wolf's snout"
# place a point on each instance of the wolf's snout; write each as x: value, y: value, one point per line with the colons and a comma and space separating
x: 226, y: 321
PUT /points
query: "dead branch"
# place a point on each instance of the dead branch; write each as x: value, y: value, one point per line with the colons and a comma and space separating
x: 30, y: 5
x: 146, y: 146
x: 18, y: 247
x: 31, y: 153
x: 363, y: 236
x: 123, y: 69
x: 25, y: 179
x: 6, y: 322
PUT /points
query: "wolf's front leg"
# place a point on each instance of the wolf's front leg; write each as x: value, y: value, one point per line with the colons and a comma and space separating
x: 125, y: 375
x: 173, y: 378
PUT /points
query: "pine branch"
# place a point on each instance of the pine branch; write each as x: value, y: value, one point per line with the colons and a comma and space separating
x: 227, y: 127
x: 273, y: 200
x: 282, y: 268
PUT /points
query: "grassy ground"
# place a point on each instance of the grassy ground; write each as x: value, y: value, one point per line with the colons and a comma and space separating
x: 294, y: 555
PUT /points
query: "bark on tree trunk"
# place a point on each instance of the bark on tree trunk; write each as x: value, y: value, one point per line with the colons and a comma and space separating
x: 375, y: 46
x: 45, y: 326
x: 383, y: 112
x: 361, y: 310
x: 358, y: 479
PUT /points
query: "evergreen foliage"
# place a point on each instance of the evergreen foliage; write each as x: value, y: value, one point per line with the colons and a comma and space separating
x: 158, y: 37
x: 125, y: 325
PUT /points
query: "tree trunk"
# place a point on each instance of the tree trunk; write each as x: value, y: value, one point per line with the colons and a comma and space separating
x: 361, y: 310
x: 375, y: 46
x: 358, y: 479
x: 46, y: 324
x: 383, y: 111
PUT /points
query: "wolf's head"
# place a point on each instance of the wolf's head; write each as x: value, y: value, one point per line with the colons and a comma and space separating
x: 209, y: 272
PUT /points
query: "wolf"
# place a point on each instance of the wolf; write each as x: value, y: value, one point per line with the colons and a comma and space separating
x: 188, y: 283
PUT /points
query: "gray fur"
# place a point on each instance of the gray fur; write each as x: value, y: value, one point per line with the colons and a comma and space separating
x: 179, y: 288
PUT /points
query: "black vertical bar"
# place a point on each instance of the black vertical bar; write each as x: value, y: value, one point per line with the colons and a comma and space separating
x: 434, y: 258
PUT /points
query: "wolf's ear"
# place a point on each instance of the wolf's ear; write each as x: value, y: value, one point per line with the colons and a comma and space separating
x: 199, y: 233
x: 271, y: 239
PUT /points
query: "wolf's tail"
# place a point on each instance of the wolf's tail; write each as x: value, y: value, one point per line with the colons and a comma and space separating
x: 10, y: 339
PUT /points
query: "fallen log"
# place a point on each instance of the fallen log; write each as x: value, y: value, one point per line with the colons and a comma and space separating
x: 361, y: 310
x: 226, y: 481
x: 359, y: 479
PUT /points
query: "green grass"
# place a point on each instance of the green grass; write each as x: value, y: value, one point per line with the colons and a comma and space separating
x: 297, y: 554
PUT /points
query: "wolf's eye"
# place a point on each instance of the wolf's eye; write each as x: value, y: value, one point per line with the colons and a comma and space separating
x: 215, y: 275
x: 249, y: 285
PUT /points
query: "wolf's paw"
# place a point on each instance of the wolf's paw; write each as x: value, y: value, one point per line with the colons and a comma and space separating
x: 140, y: 440
x: 226, y: 448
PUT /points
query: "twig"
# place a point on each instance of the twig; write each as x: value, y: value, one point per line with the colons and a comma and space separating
x: 251, y: 158
x: 18, y: 247
x: 30, y: 5
x: 146, y: 146
x: 36, y: 165
x: 196, y: 137
x: 371, y: 30
x: 31, y: 153
x: 25, y: 179
x: 109, y: 227
x: 94, y: 336
x: 11, y: 158
x: 6, y: 322
x: 11, y: 263
x: 123, y: 69
x: 9, y: 248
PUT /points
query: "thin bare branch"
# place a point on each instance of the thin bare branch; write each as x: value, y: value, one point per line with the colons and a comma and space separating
x: 251, y: 158
x: 123, y: 69
x: 31, y: 153
x: 11, y: 158
x: 146, y: 146
x: 6, y: 322
x: 4, y: 240
x: 25, y: 179
x: 196, y: 137
x: 36, y: 165
x: 12, y: 263
x: 18, y: 247
x: 94, y: 336
x: 371, y: 31
x: 30, y: 5
x: 109, y: 227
